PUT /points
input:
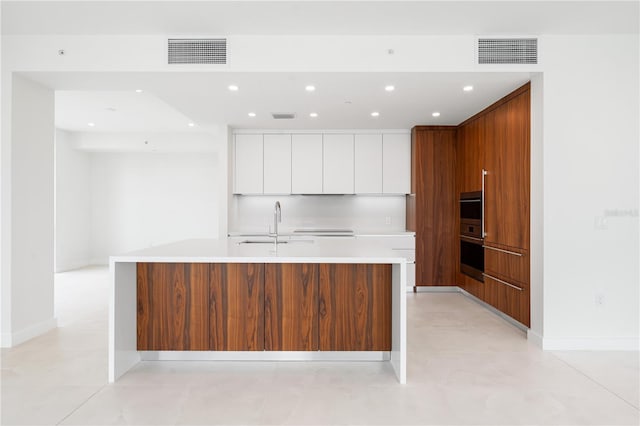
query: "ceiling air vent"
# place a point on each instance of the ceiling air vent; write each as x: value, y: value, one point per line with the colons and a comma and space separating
x: 507, y: 50
x: 197, y: 51
x: 283, y: 115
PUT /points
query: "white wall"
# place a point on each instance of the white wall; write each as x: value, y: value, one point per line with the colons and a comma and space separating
x: 31, y: 235
x: 73, y: 207
x: 591, y: 120
x: 140, y: 200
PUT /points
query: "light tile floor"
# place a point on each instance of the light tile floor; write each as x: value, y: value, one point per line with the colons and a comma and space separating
x: 466, y: 366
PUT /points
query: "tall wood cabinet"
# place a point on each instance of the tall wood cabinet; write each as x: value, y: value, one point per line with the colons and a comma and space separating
x: 431, y: 206
x: 497, y: 140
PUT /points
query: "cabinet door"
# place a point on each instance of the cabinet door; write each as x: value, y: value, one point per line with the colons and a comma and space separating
x: 338, y: 163
x: 355, y: 307
x: 512, y: 300
x: 470, y: 156
x: 368, y: 164
x: 396, y: 164
x: 291, y: 307
x: 507, y: 159
x: 277, y: 164
x: 172, y: 301
x: 306, y: 164
x: 236, y: 307
x: 248, y: 164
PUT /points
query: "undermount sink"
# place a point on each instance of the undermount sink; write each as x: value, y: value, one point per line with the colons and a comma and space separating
x: 272, y: 241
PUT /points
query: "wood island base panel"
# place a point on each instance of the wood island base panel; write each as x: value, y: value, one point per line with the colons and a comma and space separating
x: 250, y: 303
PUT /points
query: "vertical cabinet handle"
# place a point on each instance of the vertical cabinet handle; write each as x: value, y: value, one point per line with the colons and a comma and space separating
x: 483, y: 233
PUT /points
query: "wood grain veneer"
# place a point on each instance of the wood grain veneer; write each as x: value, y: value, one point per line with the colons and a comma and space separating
x: 172, y: 311
x: 236, y: 306
x: 433, y: 176
x: 355, y: 307
x: 291, y: 307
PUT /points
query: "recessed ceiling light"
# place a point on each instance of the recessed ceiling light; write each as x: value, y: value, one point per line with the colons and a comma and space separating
x: 389, y: 88
x: 138, y: 90
x: 233, y: 87
x: 191, y: 124
x: 310, y: 88
x: 436, y: 114
x: 313, y: 115
x: 91, y: 124
x: 375, y: 114
x: 467, y: 88
x: 252, y: 114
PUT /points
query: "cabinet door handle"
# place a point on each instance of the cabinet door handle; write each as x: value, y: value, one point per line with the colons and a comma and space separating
x: 502, y: 282
x: 484, y: 234
x: 503, y: 251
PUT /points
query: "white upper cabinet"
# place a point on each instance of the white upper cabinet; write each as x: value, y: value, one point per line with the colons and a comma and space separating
x: 368, y: 164
x: 277, y: 164
x: 248, y: 164
x: 306, y: 164
x: 396, y: 163
x: 338, y: 164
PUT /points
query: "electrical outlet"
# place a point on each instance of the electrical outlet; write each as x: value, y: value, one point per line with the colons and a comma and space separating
x: 387, y: 220
x: 599, y: 299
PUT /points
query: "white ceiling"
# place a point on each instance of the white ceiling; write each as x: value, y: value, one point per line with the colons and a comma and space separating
x: 517, y: 17
x: 342, y: 100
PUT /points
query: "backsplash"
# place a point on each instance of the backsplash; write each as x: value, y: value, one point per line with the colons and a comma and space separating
x: 254, y: 214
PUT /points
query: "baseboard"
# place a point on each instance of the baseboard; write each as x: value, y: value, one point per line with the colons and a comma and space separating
x: 436, y: 289
x: 14, y: 339
x: 591, y: 344
x: 535, y: 338
x: 71, y: 265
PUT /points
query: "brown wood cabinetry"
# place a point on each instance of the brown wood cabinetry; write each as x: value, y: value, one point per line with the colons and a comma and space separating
x: 291, y: 307
x: 432, y: 206
x: 236, y: 307
x: 507, y: 151
x: 498, y: 140
x: 255, y: 307
x: 355, y: 307
x: 172, y: 306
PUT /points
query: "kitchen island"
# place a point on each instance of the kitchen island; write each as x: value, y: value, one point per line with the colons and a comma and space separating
x: 237, y: 299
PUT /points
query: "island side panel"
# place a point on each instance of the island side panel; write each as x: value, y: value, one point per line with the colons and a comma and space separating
x: 399, y: 322
x: 123, y: 352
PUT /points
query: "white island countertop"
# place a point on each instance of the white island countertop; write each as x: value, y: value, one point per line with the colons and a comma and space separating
x: 291, y: 250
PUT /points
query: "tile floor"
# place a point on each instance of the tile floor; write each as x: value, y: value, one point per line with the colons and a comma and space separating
x: 466, y: 366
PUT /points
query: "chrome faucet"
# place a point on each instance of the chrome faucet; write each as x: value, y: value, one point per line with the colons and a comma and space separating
x: 277, y: 218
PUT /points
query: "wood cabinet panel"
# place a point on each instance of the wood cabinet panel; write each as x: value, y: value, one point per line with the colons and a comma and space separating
x: 355, y: 307
x: 236, y: 307
x: 291, y: 307
x: 509, y: 300
x: 510, y: 265
x: 507, y: 159
x: 470, y: 156
x: 172, y: 307
x: 433, y: 177
x: 471, y: 285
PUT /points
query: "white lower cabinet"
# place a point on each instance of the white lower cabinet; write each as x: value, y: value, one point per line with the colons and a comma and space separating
x: 248, y: 164
x: 277, y: 164
x: 337, y: 163
x: 306, y: 164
